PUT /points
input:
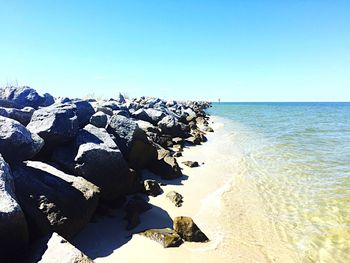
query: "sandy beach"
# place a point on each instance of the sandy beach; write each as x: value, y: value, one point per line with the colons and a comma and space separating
x: 220, y: 200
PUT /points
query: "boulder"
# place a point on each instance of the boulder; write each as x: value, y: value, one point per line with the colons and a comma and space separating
x: 21, y: 115
x: 177, y: 154
x: 99, y: 119
x: 191, y: 163
x: 120, y: 99
x: 84, y: 111
x: 25, y: 96
x: 170, y: 125
x: 105, y: 110
x: 53, y: 200
x: 188, y: 230
x: 17, y: 143
x: 56, y: 249
x: 124, y: 113
x: 193, y: 140
x: 132, y: 141
x: 56, y: 124
x: 152, y: 188
x: 13, y: 226
x: 92, y: 134
x: 208, y: 129
x: 155, y: 116
x: 167, y: 168
x: 175, y: 198
x: 103, y: 166
x: 166, y: 237
x: 113, y: 105
x: 141, y: 114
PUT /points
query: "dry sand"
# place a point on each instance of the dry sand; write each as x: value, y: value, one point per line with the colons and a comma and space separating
x: 223, y: 203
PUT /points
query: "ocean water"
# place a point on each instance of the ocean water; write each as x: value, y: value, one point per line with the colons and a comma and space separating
x: 296, y: 157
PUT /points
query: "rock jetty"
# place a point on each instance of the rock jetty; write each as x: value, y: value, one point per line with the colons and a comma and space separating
x: 62, y: 160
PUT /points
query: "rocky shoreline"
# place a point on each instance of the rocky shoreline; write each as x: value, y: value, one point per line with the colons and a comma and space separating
x: 63, y: 161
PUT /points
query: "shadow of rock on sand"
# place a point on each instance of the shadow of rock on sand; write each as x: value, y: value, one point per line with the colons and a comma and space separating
x: 146, y: 174
x: 100, y: 239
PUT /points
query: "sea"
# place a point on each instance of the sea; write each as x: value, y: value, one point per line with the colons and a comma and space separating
x: 295, y: 157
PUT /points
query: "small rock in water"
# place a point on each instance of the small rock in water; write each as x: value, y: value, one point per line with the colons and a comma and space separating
x: 175, y: 197
x: 166, y: 236
x: 152, y: 188
x: 188, y: 230
x: 191, y: 164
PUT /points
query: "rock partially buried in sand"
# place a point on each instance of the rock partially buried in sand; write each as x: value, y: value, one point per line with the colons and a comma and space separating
x: 60, y: 250
x: 191, y: 164
x: 166, y: 237
x: 152, y: 188
x: 175, y: 198
x: 188, y: 230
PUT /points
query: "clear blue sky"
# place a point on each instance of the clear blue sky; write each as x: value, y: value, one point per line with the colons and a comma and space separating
x: 290, y: 50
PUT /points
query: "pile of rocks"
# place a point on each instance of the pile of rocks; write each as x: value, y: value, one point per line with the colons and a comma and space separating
x: 61, y: 158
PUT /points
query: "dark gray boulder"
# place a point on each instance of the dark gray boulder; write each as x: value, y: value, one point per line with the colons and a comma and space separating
x: 92, y: 134
x: 141, y: 114
x: 120, y: 98
x: 152, y: 188
x: 113, y: 105
x: 21, y: 115
x: 13, y: 226
x: 191, y: 163
x: 155, y: 115
x: 170, y: 125
x: 133, y: 209
x: 25, y: 96
x: 132, y: 141
x: 84, y: 111
x: 103, y: 166
x: 53, y: 200
x: 56, y: 124
x: 99, y: 119
x: 17, y: 143
x: 166, y: 166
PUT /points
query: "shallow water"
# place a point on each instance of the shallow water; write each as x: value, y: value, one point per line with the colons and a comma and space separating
x: 295, y: 157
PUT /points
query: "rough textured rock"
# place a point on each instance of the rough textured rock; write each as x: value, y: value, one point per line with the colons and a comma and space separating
x: 155, y: 116
x: 13, y: 226
x: 99, y: 119
x: 103, y: 166
x: 25, y: 96
x: 188, y: 230
x: 53, y: 200
x: 17, y: 143
x: 84, y: 111
x: 56, y: 249
x: 166, y: 237
x: 193, y: 140
x: 175, y: 198
x: 191, y: 163
x: 56, y: 124
x: 170, y: 125
x: 92, y: 134
x: 166, y: 168
x: 21, y: 115
x: 152, y: 188
x: 132, y: 141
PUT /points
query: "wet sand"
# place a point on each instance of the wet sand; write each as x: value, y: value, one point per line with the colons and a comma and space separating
x: 221, y: 200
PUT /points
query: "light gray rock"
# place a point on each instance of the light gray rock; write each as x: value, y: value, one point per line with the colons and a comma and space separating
x: 13, y: 226
x: 170, y: 125
x: 92, y: 134
x: 175, y: 198
x: 17, y: 143
x: 155, y: 115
